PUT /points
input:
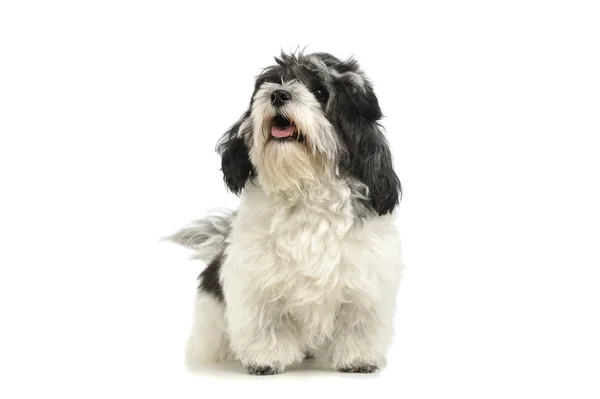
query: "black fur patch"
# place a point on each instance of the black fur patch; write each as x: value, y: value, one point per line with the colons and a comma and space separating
x: 355, y: 112
x: 261, y: 370
x: 235, y: 159
x: 210, y: 278
x: 367, y: 368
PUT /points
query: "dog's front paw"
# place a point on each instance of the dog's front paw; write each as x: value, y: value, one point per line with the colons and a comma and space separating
x: 262, y: 370
x: 363, y: 368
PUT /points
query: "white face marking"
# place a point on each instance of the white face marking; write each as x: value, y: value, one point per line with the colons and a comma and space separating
x: 303, y: 109
x: 289, y: 163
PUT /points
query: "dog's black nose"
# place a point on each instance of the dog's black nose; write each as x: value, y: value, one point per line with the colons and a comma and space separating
x: 280, y: 97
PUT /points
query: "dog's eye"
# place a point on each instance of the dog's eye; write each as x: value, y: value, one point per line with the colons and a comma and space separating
x: 320, y: 93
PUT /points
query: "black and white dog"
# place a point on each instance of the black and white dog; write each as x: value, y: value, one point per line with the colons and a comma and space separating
x: 310, y: 263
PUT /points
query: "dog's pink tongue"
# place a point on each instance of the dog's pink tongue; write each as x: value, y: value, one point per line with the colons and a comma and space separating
x: 282, y: 131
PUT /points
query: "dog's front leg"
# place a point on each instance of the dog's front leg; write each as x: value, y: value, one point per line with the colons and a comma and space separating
x: 362, y: 335
x: 263, y: 339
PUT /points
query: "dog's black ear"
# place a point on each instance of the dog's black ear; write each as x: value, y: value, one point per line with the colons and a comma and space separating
x: 355, y: 110
x: 235, y: 159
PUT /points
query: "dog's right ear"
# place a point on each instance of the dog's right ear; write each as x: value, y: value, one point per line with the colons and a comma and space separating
x: 235, y: 159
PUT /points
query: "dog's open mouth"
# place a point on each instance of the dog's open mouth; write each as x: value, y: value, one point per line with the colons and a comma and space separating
x: 284, y: 129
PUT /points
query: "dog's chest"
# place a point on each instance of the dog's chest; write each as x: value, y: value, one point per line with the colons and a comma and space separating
x: 307, y: 244
x: 295, y: 249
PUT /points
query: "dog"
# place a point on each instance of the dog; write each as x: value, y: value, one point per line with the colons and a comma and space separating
x: 310, y: 263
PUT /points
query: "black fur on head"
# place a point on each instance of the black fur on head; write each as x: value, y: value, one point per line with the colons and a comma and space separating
x: 347, y: 99
x: 354, y: 111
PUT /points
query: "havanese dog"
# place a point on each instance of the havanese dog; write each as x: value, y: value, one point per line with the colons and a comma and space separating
x: 310, y: 263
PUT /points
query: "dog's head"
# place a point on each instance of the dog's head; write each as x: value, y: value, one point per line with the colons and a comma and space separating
x: 311, y: 118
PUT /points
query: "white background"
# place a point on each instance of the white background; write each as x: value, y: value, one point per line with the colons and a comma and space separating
x: 109, y: 113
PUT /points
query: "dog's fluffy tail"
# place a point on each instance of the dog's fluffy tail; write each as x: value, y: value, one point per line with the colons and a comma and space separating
x: 207, y: 235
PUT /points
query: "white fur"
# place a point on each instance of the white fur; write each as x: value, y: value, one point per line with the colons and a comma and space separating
x: 208, y: 340
x: 207, y: 235
x: 303, y: 274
